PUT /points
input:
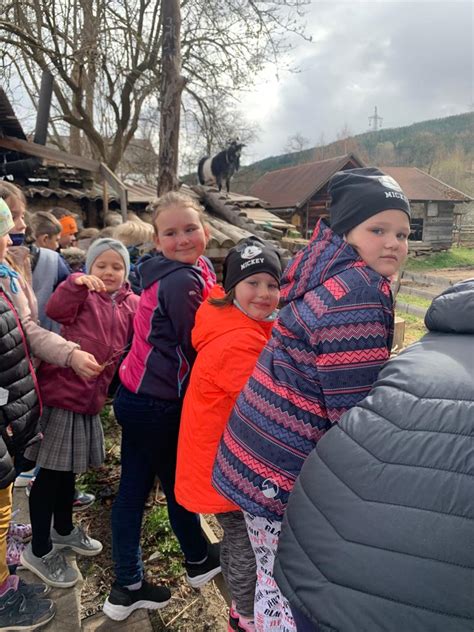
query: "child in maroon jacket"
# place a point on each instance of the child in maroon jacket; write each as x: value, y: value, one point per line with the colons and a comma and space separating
x: 96, y: 311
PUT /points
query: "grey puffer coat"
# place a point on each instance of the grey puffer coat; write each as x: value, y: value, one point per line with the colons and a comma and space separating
x: 379, y: 531
x: 19, y: 400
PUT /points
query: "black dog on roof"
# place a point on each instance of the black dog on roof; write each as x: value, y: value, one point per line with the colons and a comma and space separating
x: 221, y: 167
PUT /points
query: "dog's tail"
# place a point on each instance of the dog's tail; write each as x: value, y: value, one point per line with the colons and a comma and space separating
x: 201, y: 176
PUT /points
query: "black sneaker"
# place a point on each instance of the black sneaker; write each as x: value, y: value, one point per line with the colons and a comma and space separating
x: 199, y: 574
x: 18, y: 612
x: 122, y: 602
x: 35, y: 589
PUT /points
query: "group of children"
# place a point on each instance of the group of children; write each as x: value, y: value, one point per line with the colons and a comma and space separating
x: 221, y: 397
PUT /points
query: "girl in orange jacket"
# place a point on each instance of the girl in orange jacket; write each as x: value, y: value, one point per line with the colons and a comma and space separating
x: 231, y: 329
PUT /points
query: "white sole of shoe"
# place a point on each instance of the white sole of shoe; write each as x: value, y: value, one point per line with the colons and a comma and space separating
x: 77, y: 550
x: 46, y: 579
x: 119, y: 613
x: 202, y: 580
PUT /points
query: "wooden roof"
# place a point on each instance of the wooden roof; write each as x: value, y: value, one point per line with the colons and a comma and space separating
x: 293, y: 186
x: 419, y: 186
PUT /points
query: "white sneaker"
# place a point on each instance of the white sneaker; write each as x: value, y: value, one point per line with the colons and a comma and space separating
x: 24, y: 478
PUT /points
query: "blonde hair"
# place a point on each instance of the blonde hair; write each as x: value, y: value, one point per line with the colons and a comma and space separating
x: 8, y: 189
x: 134, y: 232
x: 174, y: 199
x: 112, y: 219
x: 44, y: 223
x: 88, y: 233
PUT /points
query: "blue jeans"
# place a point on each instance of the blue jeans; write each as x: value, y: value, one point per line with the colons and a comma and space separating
x: 150, y: 430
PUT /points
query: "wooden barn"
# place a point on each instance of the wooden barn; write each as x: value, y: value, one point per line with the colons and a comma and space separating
x: 299, y: 194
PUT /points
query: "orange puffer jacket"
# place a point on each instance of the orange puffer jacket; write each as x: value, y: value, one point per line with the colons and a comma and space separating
x: 228, y: 344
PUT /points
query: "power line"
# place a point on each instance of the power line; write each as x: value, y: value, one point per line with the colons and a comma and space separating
x: 375, y: 121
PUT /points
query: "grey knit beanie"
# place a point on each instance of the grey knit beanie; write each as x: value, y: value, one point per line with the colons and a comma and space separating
x: 101, y: 245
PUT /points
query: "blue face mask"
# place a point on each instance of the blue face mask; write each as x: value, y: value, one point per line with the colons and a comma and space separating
x: 18, y: 239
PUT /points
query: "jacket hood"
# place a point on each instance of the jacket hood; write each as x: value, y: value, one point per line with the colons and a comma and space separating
x: 213, y: 322
x: 453, y: 310
x: 157, y: 267
x: 326, y: 255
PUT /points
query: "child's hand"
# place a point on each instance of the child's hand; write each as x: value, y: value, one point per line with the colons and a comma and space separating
x: 84, y: 364
x: 92, y: 283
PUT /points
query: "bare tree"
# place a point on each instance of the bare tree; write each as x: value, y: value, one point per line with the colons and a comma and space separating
x: 295, y: 143
x: 172, y: 84
x: 106, y: 55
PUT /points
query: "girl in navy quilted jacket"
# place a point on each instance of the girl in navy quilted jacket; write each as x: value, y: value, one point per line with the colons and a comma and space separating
x: 326, y: 350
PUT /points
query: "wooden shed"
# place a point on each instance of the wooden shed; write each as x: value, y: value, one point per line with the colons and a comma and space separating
x: 299, y: 194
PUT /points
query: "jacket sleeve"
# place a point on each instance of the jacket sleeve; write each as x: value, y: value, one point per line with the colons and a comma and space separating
x: 180, y: 297
x: 45, y: 345
x: 352, y: 340
x: 67, y: 300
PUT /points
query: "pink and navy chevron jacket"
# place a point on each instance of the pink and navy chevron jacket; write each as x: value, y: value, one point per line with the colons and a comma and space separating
x: 160, y: 360
x: 327, y: 347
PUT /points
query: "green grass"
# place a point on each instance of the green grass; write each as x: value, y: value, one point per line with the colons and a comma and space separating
x: 158, y: 535
x: 457, y: 257
x: 419, y: 301
x: 414, y: 328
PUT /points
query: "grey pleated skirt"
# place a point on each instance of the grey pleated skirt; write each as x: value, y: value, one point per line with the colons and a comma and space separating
x: 72, y: 442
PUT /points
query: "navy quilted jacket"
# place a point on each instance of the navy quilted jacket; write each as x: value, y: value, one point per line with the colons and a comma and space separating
x: 326, y: 350
x: 20, y: 406
x: 379, y: 531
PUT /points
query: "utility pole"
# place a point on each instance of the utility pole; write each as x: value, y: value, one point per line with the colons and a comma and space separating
x: 375, y: 121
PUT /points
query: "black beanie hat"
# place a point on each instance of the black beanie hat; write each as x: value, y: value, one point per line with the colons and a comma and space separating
x: 357, y: 194
x: 250, y: 256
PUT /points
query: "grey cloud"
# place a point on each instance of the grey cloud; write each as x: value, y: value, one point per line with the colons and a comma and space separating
x: 411, y: 59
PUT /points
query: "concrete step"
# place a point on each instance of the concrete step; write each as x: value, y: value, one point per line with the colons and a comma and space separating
x: 139, y: 621
x: 68, y: 600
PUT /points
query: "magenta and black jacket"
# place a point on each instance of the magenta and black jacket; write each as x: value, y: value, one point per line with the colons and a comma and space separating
x: 161, y: 357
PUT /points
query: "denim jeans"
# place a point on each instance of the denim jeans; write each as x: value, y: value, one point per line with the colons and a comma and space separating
x: 150, y: 430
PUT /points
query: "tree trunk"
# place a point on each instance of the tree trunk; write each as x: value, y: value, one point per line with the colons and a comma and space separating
x: 172, y: 84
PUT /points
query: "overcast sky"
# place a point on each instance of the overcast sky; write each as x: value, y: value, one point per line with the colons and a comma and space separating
x: 412, y: 59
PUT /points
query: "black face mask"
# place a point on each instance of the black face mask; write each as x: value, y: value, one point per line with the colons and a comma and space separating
x: 18, y: 239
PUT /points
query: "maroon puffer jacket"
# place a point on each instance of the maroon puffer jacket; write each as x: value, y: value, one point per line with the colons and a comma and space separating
x: 101, y: 324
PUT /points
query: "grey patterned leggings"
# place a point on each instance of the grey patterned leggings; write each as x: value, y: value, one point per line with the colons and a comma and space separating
x: 238, y: 561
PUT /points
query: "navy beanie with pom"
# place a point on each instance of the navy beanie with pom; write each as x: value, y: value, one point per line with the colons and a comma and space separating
x: 357, y: 194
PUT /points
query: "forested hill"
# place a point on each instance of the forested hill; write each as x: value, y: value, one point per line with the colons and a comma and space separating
x: 425, y: 145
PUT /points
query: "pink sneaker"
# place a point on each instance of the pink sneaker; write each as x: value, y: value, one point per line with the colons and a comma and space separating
x: 14, y: 551
x: 19, y: 531
x: 246, y: 625
x: 233, y: 618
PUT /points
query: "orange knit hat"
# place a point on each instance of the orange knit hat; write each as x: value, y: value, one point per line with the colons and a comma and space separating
x: 69, y: 226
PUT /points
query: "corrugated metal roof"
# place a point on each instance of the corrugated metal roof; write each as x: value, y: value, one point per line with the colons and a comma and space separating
x: 291, y: 187
x: 419, y: 186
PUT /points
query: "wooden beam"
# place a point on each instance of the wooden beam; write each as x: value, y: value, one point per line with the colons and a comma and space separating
x: 218, y: 579
x: 48, y: 153
x: 118, y: 186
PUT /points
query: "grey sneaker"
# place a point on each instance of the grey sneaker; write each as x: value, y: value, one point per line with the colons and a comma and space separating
x: 78, y: 541
x: 52, y: 568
